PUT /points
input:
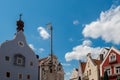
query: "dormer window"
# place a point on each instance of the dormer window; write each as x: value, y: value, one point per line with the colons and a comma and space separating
x: 112, y: 58
x: 19, y: 60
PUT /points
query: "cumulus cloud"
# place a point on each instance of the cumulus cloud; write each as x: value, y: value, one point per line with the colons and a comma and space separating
x: 106, y: 26
x: 41, y: 50
x: 87, y: 43
x: 79, y: 52
x: 32, y: 46
x: 43, y: 33
x: 75, y: 22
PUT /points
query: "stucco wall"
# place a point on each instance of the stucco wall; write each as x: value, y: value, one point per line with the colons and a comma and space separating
x: 11, y: 48
x: 94, y: 70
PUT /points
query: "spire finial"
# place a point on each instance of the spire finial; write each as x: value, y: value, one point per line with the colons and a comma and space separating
x: 20, y: 24
x: 20, y: 16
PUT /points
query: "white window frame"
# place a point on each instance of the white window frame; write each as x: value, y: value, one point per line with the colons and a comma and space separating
x: 115, y: 66
x: 106, y: 68
x: 17, y: 58
x: 21, y: 60
x: 112, y: 60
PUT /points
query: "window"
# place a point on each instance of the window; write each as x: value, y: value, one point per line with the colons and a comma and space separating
x: 50, y: 70
x: 8, y: 74
x: 28, y: 77
x: 59, y: 69
x: 7, y: 58
x: 108, y: 71
x: 31, y: 63
x: 117, y: 70
x: 88, y: 64
x: 19, y: 60
x: 20, y: 76
x: 87, y: 73
x: 90, y: 72
x: 112, y: 58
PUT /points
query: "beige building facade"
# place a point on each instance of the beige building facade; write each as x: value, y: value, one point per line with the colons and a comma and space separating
x: 50, y: 71
x: 92, y: 69
x: 74, y: 75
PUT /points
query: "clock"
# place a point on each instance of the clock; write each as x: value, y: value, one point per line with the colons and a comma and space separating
x: 21, y: 44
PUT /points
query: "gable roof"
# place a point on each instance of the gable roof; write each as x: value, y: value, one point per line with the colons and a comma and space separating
x: 83, y: 65
x: 97, y: 62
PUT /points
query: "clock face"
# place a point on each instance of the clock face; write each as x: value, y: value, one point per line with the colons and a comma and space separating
x: 20, y: 43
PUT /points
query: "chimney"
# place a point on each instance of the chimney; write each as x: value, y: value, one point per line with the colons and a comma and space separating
x: 101, y: 57
x: 89, y: 54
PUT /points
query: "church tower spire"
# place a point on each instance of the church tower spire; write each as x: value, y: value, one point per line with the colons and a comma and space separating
x: 20, y: 24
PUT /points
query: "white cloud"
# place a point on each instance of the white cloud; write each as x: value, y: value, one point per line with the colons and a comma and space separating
x: 32, y: 46
x: 75, y: 22
x: 41, y: 50
x: 107, y: 26
x: 68, y: 73
x: 43, y: 33
x: 87, y: 43
x: 71, y: 39
x: 66, y: 64
x: 79, y: 52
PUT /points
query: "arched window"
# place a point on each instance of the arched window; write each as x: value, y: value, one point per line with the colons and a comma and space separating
x: 19, y: 60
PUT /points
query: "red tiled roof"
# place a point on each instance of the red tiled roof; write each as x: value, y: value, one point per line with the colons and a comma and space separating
x: 97, y: 62
x: 83, y: 64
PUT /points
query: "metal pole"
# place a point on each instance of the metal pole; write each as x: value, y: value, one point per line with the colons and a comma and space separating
x: 51, y: 50
x: 51, y: 40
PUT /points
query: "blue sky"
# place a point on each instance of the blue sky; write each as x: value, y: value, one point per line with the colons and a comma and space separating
x: 79, y: 27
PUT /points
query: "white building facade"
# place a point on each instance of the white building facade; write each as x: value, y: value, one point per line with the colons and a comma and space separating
x: 17, y: 60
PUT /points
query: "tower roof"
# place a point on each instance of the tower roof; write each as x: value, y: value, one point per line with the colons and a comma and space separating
x: 20, y: 24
